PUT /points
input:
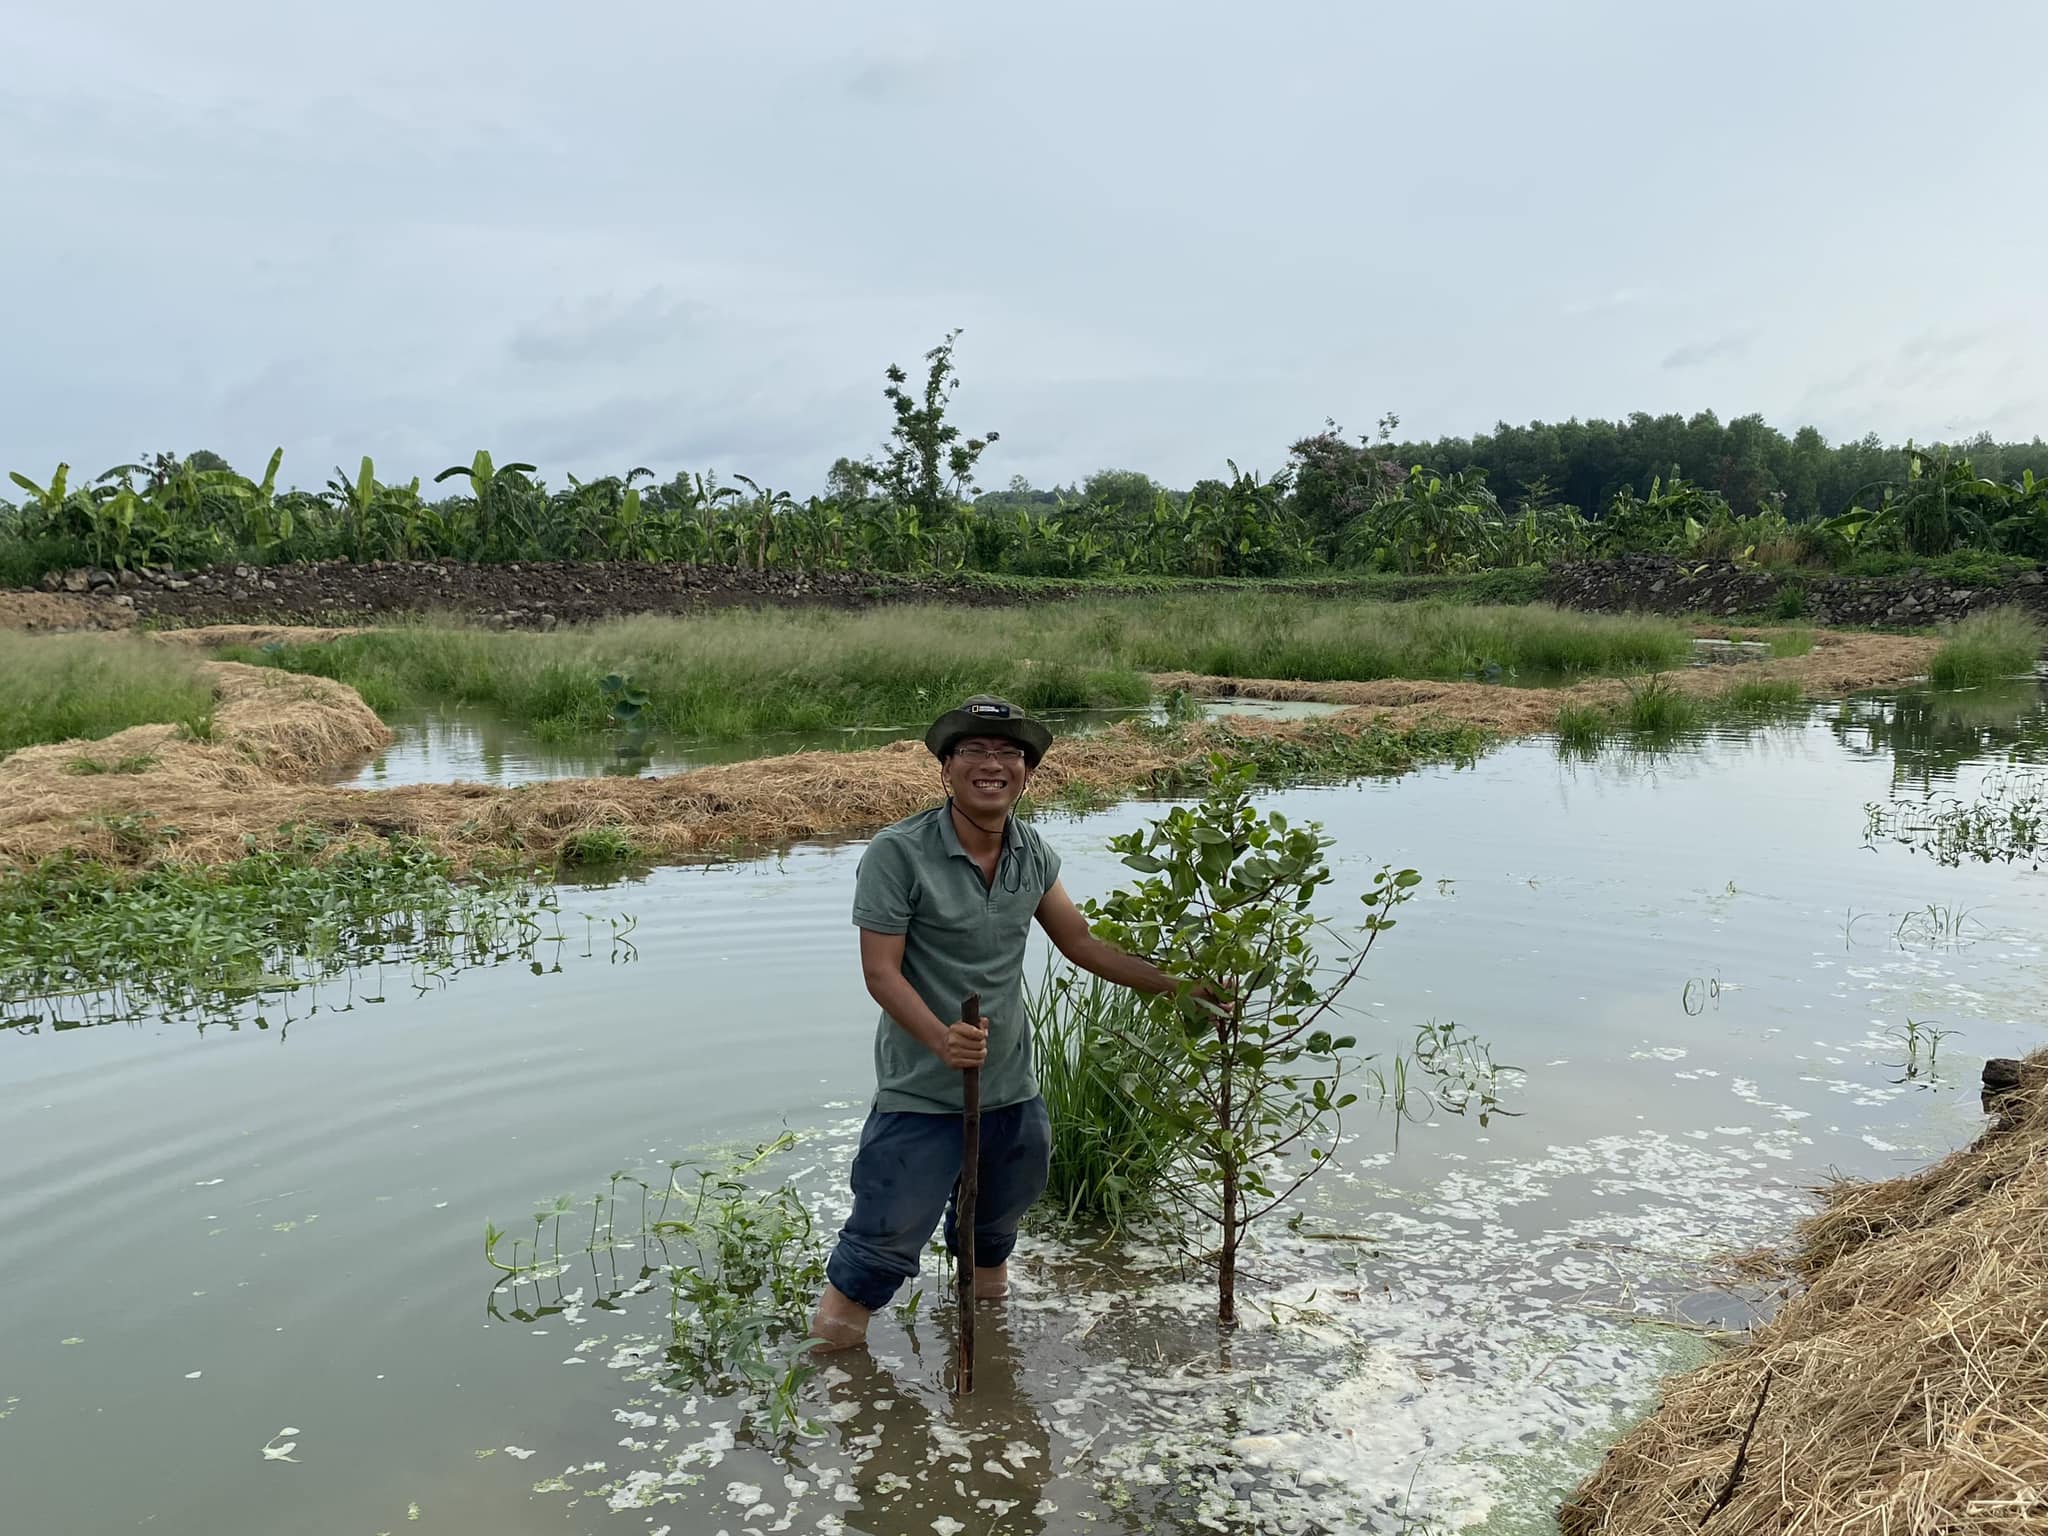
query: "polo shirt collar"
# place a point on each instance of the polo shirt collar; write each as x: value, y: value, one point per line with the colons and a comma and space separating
x: 1013, y: 833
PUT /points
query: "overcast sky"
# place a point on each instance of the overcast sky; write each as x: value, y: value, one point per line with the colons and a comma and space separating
x: 690, y: 235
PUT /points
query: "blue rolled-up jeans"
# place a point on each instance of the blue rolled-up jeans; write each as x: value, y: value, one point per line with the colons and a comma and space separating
x: 903, y: 1182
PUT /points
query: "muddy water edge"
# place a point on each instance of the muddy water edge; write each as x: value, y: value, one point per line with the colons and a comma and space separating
x: 227, y: 1241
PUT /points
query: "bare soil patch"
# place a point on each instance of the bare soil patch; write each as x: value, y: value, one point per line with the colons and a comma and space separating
x: 61, y: 611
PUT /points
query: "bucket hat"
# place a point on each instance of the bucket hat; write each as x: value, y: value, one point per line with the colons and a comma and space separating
x: 987, y: 715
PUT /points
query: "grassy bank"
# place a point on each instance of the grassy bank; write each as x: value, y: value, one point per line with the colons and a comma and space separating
x: 744, y: 672
x: 2000, y: 642
x: 56, y: 687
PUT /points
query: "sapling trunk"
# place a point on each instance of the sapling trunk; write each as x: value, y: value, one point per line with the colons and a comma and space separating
x: 1226, y: 1277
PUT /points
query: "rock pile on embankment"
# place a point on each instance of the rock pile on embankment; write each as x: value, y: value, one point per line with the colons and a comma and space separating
x: 1671, y: 584
x: 527, y: 594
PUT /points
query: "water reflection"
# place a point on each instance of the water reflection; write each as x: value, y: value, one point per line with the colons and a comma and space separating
x: 917, y: 1454
x: 476, y: 745
x: 1931, y: 735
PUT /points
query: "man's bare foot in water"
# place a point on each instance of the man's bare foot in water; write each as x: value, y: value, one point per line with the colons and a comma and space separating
x: 993, y: 1283
x: 838, y: 1323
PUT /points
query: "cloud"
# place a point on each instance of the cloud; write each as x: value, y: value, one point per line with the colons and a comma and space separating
x: 695, y: 236
x: 1735, y: 344
x: 604, y: 329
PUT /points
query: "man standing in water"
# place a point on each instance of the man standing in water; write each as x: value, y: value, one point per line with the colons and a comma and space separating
x: 944, y: 903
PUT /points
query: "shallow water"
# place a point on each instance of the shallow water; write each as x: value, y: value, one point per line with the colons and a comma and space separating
x: 217, y: 1236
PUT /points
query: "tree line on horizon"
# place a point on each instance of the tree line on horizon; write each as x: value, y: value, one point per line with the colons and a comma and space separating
x: 1516, y: 496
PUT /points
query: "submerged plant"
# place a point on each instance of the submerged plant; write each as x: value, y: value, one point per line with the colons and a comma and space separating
x: 1920, y: 1040
x: 2006, y: 823
x: 82, y: 943
x: 742, y: 1265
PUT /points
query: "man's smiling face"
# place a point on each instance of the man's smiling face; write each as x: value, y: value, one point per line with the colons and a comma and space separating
x: 986, y: 775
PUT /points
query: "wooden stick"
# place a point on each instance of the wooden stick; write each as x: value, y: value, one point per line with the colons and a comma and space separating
x: 964, y: 1196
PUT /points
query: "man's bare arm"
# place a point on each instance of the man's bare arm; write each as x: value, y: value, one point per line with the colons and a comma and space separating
x: 881, y: 964
x: 1068, y: 930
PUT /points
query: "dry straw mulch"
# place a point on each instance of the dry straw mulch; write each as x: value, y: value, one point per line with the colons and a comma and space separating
x: 1838, y: 663
x: 276, y: 734
x: 1902, y: 1392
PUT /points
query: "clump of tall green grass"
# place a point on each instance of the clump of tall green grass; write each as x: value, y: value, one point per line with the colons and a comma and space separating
x: 743, y: 672
x: 1759, y: 695
x: 61, y: 687
x: 1582, y: 728
x: 1109, y: 1155
x: 1790, y: 642
x: 1659, y: 708
x: 1999, y: 642
x: 1330, y: 640
x: 722, y: 675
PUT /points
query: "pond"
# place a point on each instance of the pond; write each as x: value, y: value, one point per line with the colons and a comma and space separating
x: 474, y: 744
x: 222, y: 1241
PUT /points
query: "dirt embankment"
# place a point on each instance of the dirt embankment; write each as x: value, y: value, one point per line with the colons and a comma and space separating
x: 274, y: 732
x: 1902, y: 1392
x: 542, y: 594
x: 1675, y: 585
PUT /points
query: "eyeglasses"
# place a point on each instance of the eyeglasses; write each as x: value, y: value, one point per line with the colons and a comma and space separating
x: 1009, y: 757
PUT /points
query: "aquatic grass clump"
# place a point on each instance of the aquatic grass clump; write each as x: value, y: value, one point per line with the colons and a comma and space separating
x: 1341, y: 640
x: 1317, y: 753
x: 1111, y: 1150
x: 1786, y: 643
x: 65, y: 687
x: 84, y: 943
x: 1756, y: 696
x: 598, y: 847
x: 715, y: 677
x: 1658, y: 708
x: 1582, y: 729
x: 1999, y: 642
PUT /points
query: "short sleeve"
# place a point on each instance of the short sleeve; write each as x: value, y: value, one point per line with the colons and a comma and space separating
x: 1049, y: 861
x: 884, y: 888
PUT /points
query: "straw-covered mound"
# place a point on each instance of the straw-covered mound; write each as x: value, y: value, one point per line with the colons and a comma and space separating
x: 1838, y: 663
x: 1903, y: 1390
x: 215, y: 794
x: 276, y: 733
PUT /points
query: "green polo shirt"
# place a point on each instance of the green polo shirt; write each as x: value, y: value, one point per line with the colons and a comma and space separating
x: 960, y: 935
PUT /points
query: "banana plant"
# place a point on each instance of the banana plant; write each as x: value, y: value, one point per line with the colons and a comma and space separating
x: 492, y: 485
x: 46, y: 502
x: 355, y: 500
x: 765, y: 508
